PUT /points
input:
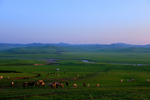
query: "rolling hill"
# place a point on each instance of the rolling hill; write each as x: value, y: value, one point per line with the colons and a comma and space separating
x: 54, y: 49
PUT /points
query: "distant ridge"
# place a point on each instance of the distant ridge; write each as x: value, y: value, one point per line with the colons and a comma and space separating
x: 61, y: 44
x: 4, y: 46
x: 130, y: 45
x: 49, y: 48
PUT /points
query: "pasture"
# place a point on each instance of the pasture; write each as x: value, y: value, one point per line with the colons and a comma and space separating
x: 107, y: 71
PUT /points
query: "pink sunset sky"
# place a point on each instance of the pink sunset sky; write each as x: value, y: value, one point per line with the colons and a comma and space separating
x: 75, y: 21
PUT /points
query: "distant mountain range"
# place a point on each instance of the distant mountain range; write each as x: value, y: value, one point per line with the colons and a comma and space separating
x: 36, y: 48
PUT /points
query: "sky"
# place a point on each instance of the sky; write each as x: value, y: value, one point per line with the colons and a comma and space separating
x: 75, y: 21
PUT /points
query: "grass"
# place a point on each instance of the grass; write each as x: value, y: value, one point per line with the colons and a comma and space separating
x: 130, y: 58
x: 105, y: 74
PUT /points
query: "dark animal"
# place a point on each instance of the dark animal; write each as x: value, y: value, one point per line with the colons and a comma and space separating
x: 59, y: 84
x: 25, y: 84
x: 53, y: 85
x: 47, y: 75
x: 62, y: 80
x: 84, y: 84
x: 31, y: 84
x: 67, y: 83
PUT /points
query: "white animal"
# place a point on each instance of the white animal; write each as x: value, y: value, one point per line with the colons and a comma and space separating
x: 75, y: 85
x: 88, y: 85
x: 121, y: 80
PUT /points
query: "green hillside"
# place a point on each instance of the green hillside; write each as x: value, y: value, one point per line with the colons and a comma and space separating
x: 127, y: 50
x: 50, y: 49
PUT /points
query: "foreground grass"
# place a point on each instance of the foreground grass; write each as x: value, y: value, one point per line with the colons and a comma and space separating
x: 82, y: 93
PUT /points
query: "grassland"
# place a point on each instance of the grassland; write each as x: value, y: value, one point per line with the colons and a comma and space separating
x: 102, y: 72
x: 132, y: 58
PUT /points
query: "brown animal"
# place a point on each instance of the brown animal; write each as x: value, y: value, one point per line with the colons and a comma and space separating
x: 84, y: 84
x: 47, y: 75
x: 54, y: 84
x: 133, y: 80
x: 74, y: 78
x: 75, y: 85
x: 42, y: 83
x: 97, y: 85
x: 39, y: 82
x: 1, y: 77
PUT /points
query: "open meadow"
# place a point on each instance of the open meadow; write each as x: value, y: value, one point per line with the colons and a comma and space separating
x: 120, y: 76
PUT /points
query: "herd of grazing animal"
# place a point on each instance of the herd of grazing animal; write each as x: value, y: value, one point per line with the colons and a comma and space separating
x: 31, y: 84
x: 51, y: 85
x: 133, y: 80
x: 57, y: 84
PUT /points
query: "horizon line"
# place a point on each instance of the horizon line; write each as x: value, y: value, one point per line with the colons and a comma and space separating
x: 75, y: 44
